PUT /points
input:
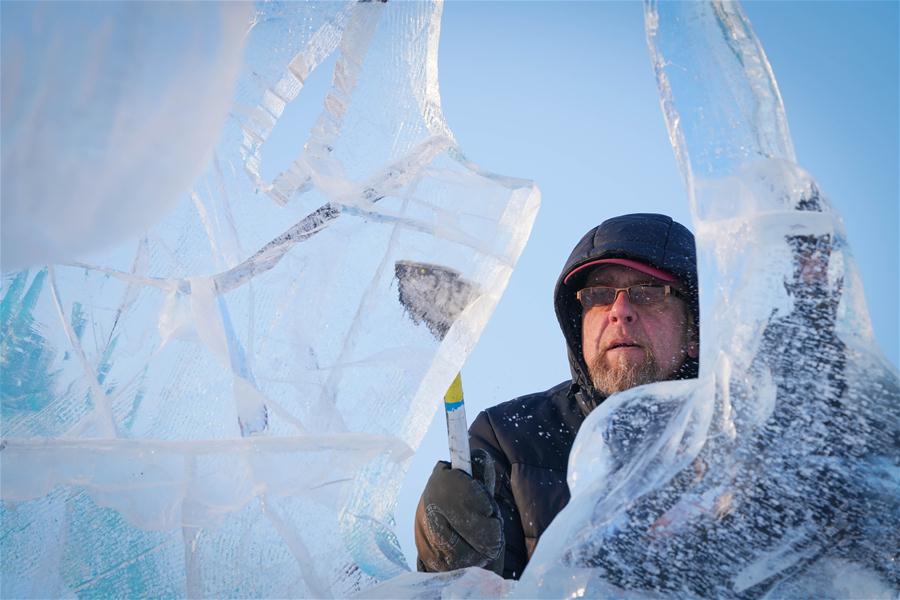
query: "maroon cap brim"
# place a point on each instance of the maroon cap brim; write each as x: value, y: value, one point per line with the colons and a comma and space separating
x: 631, y: 264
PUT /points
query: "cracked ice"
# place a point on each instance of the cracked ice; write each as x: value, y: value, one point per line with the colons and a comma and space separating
x: 190, y: 411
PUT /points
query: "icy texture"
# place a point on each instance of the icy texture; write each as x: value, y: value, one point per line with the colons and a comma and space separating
x: 463, y: 583
x: 110, y: 111
x: 224, y: 407
x: 777, y: 472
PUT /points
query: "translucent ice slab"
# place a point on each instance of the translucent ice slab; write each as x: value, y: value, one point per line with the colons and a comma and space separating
x: 110, y: 112
x: 224, y: 406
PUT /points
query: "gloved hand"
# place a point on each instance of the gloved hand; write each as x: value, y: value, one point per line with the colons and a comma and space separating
x: 458, y: 522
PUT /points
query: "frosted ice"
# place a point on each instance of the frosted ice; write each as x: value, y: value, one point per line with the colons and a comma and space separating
x: 224, y: 406
x: 776, y: 473
x: 110, y: 111
x: 463, y: 583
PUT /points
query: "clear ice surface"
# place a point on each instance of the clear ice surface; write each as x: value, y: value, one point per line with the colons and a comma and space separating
x: 776, y: 473
x: 224, y: 405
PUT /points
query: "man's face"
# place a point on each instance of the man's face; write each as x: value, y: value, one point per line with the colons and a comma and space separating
x: 624, y: 344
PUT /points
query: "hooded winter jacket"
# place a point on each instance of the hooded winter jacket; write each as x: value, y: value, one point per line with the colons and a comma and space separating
x: 530, y: 437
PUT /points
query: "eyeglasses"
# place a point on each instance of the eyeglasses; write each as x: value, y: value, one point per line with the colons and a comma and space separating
x: 639, y: 295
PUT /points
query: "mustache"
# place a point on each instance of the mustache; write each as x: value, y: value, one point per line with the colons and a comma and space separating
x: 625, y: 342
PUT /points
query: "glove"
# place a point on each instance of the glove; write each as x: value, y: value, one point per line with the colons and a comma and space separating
x: 458, y: 522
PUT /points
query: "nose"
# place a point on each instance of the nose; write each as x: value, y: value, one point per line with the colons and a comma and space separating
x: 622, y: 309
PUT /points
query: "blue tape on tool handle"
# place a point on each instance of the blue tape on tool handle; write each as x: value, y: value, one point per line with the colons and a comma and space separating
x: 453, y: 399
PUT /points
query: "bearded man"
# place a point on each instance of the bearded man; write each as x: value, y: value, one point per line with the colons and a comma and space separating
x: 628, y: 307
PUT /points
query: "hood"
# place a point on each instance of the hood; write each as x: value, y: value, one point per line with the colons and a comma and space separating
x: 652, y: 239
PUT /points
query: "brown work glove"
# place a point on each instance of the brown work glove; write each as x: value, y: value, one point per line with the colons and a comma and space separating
x: 458, y: 521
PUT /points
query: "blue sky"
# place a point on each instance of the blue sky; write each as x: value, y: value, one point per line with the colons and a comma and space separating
x: 563, y: 93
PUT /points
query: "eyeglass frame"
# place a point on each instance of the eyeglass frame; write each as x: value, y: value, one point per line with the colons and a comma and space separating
x: 670, y: 290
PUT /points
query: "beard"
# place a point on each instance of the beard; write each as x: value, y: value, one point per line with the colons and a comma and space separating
x: 616, y: 375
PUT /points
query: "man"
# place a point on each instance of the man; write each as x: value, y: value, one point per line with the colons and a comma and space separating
x: 627, y: 304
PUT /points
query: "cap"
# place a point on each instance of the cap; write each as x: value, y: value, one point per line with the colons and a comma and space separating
x: 631, y: 264
x: 651, y: 243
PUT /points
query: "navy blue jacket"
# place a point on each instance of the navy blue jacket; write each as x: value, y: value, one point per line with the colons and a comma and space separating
x: 530, y: 439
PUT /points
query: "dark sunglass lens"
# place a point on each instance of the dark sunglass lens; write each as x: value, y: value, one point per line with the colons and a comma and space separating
x: 597, y: 296
x: 646, y: 294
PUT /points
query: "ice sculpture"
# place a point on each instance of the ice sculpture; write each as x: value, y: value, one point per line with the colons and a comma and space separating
x: 224, y: 407
x: 776, y: 473
x: 110, y: 111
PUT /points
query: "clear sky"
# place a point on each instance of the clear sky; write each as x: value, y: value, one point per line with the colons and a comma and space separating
x: 564, y: 94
